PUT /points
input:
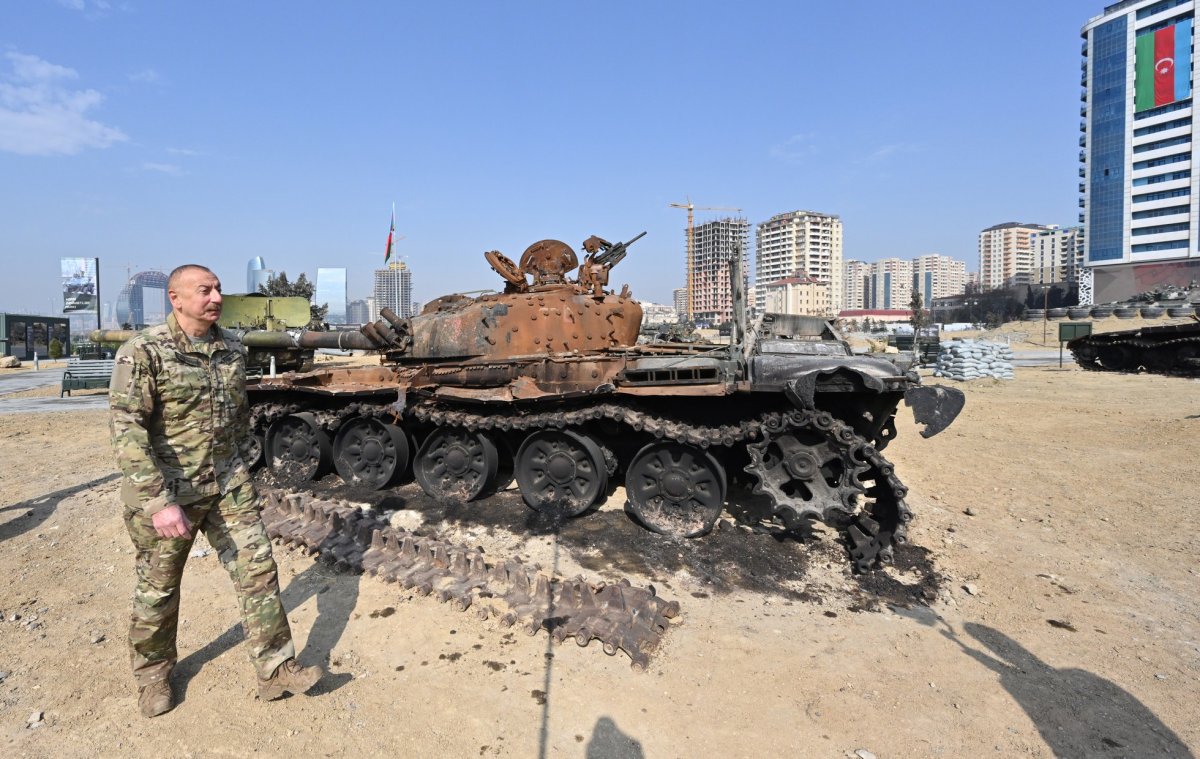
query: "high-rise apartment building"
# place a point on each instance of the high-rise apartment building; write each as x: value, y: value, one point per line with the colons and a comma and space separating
x: 679, y: 298
x: 855, y: 283
x: 799, y: 243
x: 357, y: 312
x: 936, y: 276
x: 331, y: 291
x: 1006, y: 254
x: 714, y: 244
x: 889, y: 284
x: 1058, y: 255
x: 1138, y: 196
x: 393, y: 289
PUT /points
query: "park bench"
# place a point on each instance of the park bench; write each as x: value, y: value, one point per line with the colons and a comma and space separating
x: 86, y: 374
x: 929, y: 345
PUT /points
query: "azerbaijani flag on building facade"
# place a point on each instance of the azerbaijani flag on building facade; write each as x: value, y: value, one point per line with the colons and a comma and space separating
x: 391, y: 233
x: 1163, y: 71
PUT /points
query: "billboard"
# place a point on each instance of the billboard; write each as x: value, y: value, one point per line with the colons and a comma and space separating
x: 1163, y: 68
x: 80, y: 285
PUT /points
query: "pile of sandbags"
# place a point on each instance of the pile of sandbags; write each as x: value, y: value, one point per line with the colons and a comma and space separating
x: 972, y: 359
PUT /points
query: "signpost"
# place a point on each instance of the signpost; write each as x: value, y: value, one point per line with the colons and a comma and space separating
x: 1068, y: 332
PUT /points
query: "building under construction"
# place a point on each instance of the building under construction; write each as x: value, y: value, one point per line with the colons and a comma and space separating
x: 714, y: 245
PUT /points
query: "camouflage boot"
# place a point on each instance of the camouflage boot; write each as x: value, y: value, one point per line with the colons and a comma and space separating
x: 156, y: 698
x: 290, y: 677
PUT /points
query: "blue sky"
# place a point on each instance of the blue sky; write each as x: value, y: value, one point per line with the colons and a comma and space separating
x: 152, y: 134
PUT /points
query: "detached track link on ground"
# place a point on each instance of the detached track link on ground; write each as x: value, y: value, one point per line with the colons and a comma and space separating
x: 619, y: 615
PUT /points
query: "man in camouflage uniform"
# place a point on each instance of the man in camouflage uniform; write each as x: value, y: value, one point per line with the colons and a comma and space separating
x: 180, y: 426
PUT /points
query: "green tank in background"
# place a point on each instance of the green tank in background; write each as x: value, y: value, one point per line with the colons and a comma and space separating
x: 263, y: 322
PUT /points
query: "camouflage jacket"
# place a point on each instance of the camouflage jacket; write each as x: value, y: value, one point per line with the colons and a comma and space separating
x: 179, y: 417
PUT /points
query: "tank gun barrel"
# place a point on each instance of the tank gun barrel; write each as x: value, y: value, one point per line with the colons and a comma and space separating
x: 111, y: 335
x: 342, y: 340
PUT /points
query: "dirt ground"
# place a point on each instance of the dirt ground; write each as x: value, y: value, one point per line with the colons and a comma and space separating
x: 1047, y: 606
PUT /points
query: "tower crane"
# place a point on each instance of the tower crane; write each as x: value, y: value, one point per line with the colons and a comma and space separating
x: 691, y: 256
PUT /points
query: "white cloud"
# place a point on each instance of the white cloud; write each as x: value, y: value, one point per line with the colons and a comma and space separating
x: 184, y: 151
x: 93, y: 8
x: 795, y: 149
x: 162, y: 168
x: 41, y: 115
x: 146, y: 76
x: 884, y: 152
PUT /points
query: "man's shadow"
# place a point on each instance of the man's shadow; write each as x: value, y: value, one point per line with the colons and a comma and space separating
x: 337, y: 595
x: 41, y: 507
x: 1076, y: 712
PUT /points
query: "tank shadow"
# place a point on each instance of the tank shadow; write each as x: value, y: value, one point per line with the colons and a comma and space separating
x: 1076, y: 712
x: 731, y: 557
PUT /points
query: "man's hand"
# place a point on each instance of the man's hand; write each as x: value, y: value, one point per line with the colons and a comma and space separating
x: 171, y: 522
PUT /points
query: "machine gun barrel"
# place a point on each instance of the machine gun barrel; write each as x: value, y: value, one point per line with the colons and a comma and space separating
x: 613, y: 255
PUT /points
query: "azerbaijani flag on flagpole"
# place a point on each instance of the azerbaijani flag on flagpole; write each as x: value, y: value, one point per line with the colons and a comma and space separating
x: 1163, y: 72
x: 391, y: 234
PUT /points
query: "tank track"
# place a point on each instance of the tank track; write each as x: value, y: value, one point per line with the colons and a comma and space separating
x: 621, y: 616
x: 1093, y: 365
x: 869, y: 535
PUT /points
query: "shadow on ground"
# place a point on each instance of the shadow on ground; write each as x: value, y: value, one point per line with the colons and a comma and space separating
x: 1076, y: 712
x: 336, y: 594
x: 612, y: 544
x: 38, y: 510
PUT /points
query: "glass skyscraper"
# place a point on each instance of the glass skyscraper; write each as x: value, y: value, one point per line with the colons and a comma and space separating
x: 1138, y: 195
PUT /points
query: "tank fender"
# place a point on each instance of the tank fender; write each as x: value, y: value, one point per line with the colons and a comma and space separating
x: 802, y: 389
x: 934, y: 406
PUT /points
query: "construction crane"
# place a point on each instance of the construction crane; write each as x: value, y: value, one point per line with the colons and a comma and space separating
x: 691, y: 256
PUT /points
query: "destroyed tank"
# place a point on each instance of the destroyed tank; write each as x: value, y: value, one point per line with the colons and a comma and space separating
x: 546, y: 382
x: 262, y: 322
x: 1167, y: 349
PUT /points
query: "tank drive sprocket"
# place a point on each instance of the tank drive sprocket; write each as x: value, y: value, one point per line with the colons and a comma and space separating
x: 816, y: 468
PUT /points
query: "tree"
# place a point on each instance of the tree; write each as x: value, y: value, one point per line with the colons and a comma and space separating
x: 920, y: 317
x: 56, y: 348
x: 279, y: 287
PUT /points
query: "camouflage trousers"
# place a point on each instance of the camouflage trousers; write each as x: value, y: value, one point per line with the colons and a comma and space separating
x: 233, y: 525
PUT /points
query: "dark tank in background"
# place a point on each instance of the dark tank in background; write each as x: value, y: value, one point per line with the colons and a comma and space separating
x: 546, y: 382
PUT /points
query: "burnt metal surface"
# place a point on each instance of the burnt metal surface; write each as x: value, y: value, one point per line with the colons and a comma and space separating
x: 934, y: 406
x: 1169, y: 349
x: 546, y: 381
x: 623, y: 617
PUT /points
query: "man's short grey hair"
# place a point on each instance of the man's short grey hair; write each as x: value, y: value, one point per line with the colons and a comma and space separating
x: 179, y: 271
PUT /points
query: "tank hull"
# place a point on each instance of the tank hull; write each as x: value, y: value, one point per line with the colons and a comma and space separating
x: 1169, y: 349
x: 545, y: 383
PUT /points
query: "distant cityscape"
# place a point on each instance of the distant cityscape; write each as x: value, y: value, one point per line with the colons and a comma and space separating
x: 1135, y: 226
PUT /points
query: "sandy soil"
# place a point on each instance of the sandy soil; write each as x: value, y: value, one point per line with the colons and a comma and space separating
x: 1046, y: 607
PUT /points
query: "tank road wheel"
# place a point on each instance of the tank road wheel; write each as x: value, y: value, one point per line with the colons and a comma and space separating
x: 456, y: 464
x: 298, y: 447
x: 369, y: 452
x: 561, y: 472
x: 1117, y: 358
x: 675, y: 489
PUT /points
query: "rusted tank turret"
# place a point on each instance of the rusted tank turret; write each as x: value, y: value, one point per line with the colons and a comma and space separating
x: 546, y: 382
